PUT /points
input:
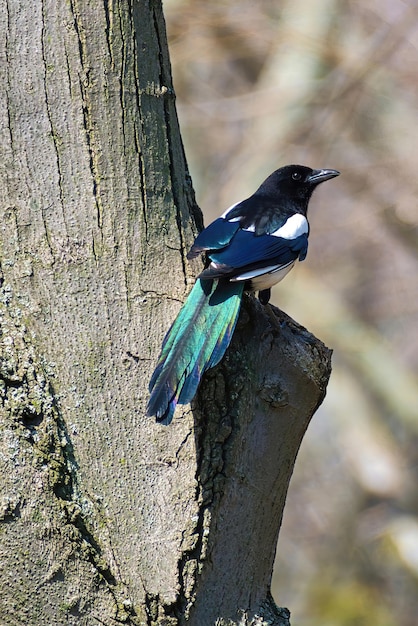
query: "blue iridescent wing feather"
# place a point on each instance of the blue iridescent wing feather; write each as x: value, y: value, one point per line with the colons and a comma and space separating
x: 215, y: 236
x: 247, y: 250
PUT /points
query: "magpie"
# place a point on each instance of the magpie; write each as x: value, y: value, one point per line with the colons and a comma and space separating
x: 250, y: 247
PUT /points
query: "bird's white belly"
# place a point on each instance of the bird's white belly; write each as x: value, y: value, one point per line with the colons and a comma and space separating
x: 265, y: 280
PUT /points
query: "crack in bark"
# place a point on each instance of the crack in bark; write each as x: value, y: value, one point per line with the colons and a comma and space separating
x: 138, y: 126
x: 68, y: 68
x: 138, y: 135
x: 47, y: 236
x: 121, y: 79
x: 53, y: 135
x: 108, y: 29
x: 7, y: 89
x: 87, y: 115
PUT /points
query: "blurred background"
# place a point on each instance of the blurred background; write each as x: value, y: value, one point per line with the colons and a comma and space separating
x: 328, y: 83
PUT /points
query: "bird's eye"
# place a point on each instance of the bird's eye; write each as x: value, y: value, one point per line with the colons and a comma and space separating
x: 296, y: 176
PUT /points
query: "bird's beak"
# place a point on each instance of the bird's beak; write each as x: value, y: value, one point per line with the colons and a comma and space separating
x: 319, y: 176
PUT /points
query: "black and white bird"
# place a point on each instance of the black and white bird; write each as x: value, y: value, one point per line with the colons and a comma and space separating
x: 250, y: 247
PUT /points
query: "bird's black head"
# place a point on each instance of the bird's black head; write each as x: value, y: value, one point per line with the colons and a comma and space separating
x: 296, y: 182
x: 285, y: 192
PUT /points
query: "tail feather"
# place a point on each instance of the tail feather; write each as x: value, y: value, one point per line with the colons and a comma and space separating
x: 196, y: 341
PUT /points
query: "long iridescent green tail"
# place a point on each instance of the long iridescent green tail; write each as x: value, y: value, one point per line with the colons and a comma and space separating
x: 196, y: 341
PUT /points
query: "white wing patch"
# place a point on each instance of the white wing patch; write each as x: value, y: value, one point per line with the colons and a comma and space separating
x: 294, y: 226
x: 225, y: 213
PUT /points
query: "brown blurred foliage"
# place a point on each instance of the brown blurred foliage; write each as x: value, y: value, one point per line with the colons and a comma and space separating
x: 328, y: 84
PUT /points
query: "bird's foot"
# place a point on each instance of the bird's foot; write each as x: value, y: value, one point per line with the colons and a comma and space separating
x: 264, y: 296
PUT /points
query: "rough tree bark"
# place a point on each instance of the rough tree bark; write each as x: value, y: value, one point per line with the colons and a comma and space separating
x: 107, y: 517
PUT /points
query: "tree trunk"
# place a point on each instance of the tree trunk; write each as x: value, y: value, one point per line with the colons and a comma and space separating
x: 107, y: 517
